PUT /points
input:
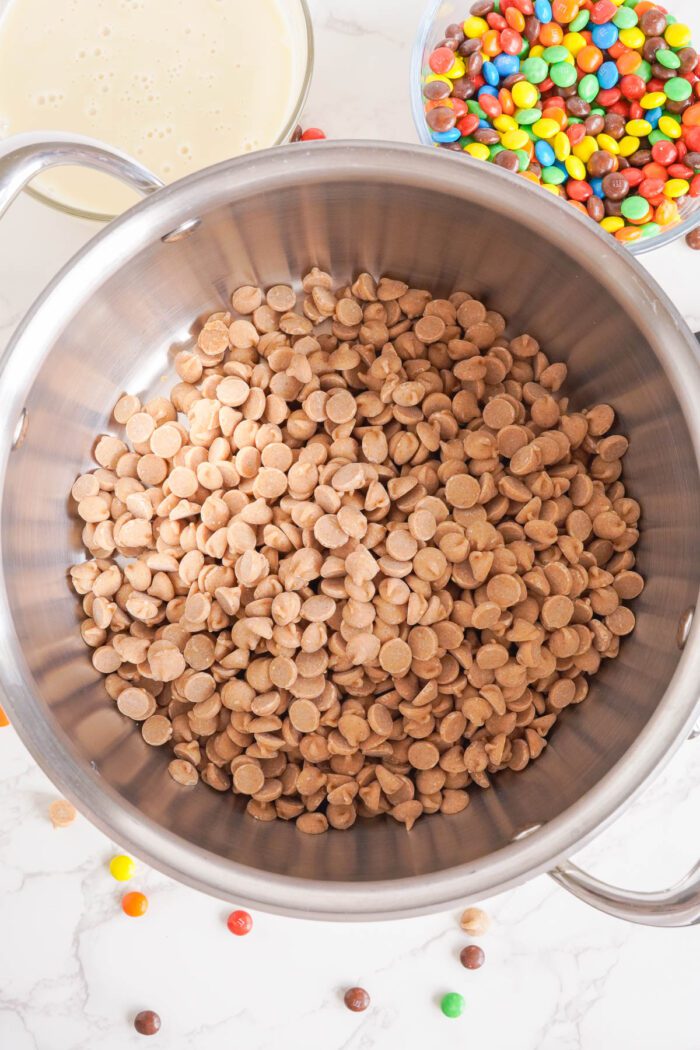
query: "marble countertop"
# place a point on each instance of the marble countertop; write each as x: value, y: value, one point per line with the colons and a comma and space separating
x: 558, y: 976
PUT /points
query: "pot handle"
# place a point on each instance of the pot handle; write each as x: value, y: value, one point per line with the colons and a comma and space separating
x: 674, y: 907
x: 22, y: 157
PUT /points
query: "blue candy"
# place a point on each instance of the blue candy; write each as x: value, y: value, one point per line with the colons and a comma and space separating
x: 597, y: 187
x: 506, y: 65
x: 543, y: 10
x: 605, y: 36
x: 545, y: 154
x: 608, y: 75
x: 653, y: 116
x: 484, y: 123
x: 446, y: 136
x: 490, y: 74
x: 487, y: 90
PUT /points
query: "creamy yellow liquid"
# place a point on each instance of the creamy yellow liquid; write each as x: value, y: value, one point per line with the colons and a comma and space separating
x: 178, y: 84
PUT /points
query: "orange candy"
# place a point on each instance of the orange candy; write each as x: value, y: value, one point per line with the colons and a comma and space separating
x: 628, y: 62
x: 506, y: 99
x: 515, y: 19
x: 491, y: 43
x: 4, y: 720
x: 589, y: 58
x: 565, y: 10
x: 530, y: 176
x: 644, y: 5
x: 579, y: 207
x: 551, y: 34
x: 628, y: 234
x: 691, y: 116
x: 667, y: 213
x: 556, y: 114
x: 134, y: 904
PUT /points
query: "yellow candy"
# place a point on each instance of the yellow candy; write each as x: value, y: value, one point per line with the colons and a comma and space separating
x: 536, y: 51
x: 439, y: 77
x: 478, y: 150
x: 551, y: 188
x: 608, y: 143
x: 670, y: 127
x: 613, y: 223
x: 515, y: 139
x: 629, y: 145
x: 475, y: 27
x: 585, y: 149
x: 632, y: 38
x: 677, y: 35
x: 638, y: 127
x: 545, y: 128
x: 121, y: 868
x: 574, y: 42
x: 505, y: 123
x: 652, y: 100
x: 562, y: 146
x: 676, y: 188
x: 525, y: 95
x: 576, y: 168
x: 457, y: 69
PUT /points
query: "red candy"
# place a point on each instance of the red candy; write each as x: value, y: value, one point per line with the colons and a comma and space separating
x: 579, y: 191
x: 603, y: 11
x: 491, y: 106
x: 468, y: 124
x: 608, y: 97
x: 511, y: 42
x: 664, y: 152
x: 680, y: 171
x: 633, y: 87
x: 239, y: 923
x: 441, y: 60
x: 650, y: 188
x: 695, y: 187
x: 633, y: 175
x: 312, y: 134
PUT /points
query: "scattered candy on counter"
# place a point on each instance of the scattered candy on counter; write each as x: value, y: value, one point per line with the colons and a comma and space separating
x: 693, y: 239
x: 240, y: 923
x: 62, y: 813
x: 595, y: 101
x: 474, y: 921
x: 147, y: 1022
x: 134, y: 904
x: 121, y: 868
x: 452, y: 1004
x: 472, y: 957
x: 310, y: 135
x: 4, y: 720
x: 356, y: 999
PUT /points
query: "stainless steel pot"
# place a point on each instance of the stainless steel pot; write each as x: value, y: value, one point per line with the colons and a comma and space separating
x: 108, y: 322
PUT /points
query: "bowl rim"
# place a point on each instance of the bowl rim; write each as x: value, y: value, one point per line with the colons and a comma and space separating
x: 418, y: 49
x: 282, y: 137
x: 267, y: 171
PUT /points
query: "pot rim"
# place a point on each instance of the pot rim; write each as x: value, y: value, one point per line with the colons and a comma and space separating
x: 168, y: 209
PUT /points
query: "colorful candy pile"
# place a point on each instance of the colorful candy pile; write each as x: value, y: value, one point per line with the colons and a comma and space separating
x: 595, y: 101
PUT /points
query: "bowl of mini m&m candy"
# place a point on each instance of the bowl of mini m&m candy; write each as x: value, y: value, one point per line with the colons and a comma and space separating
x: 596, y: 101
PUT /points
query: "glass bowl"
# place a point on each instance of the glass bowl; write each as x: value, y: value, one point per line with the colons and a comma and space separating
x: 440, y: 13
x: 298, y: 18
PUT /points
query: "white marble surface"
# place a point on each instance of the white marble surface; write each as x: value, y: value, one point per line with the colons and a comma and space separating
x: 74, y: 970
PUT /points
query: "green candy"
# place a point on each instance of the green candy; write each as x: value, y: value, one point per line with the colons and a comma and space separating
x: 634, y: 208
x: 535, y: 70
x: 678, y: 89
x: 475, y: 108
x: 588, y: 87
x: 668, y: 58
x: 650, y: 229
x: 556, y: 53
x: 466, y: 140
x: 671, y: 20
x: 554, y: 176
x: 452, y: 1004
x: 626, y: 18
x: 523, y: 159
x: 524, y: 50
x: 525, y: 117
x: 643, y: 70
x: 564, y: 75
x: 580, y: 22
x: 575, y: 120
x: 658, y: 136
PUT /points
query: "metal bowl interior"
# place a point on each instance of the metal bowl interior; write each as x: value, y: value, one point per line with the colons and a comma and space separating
x: 436, y: 17
x: 130, y: 299
x: 298, y: 17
